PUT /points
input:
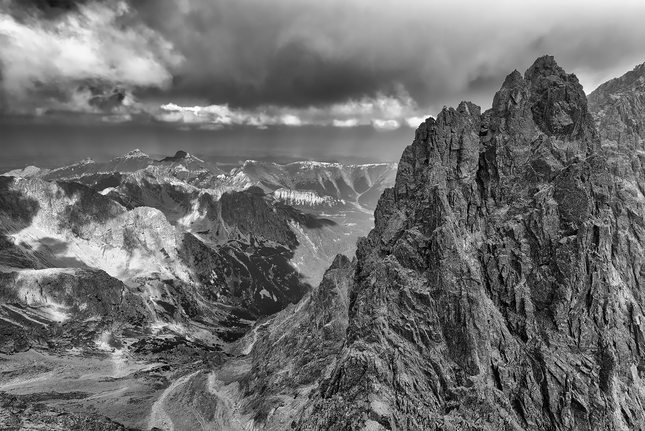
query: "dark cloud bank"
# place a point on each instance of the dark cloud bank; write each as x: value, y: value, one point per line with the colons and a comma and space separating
x: 219, y: 64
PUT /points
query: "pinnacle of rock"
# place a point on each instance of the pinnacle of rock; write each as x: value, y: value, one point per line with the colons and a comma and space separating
x: 492, y: 245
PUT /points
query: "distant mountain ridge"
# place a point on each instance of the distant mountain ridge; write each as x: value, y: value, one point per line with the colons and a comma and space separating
x: 183, y: 187
x: 90, y: 172
x: 359, y: 183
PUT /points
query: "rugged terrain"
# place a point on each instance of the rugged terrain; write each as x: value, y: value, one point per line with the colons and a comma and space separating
x: 501, y: 287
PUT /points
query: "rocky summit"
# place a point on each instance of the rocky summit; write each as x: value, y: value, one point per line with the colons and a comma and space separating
x: 502, y: 286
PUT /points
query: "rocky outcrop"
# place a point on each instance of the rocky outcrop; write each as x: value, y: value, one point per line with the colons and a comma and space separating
x: 502, y: 285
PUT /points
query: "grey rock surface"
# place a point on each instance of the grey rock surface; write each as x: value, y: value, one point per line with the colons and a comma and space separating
x: 618, y: 107
x: 20, y: 415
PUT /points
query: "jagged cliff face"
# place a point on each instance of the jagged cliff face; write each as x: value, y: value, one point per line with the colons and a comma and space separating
x: 618, y: 107
x: 502, y: 285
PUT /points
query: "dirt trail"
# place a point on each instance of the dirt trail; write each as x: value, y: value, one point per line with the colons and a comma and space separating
x: 158, y: 416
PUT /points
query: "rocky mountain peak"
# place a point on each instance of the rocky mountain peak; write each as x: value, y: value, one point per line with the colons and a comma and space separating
x: 559, y: 104
x: 179, y: 155
x: 186, y: 158
x: 556, y: 100
x: 135, y: 153
x: 488, y: 294
x: 545, y: 66
x: 540, y: 120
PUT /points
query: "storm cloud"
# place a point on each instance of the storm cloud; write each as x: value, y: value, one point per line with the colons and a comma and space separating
x: 280, y: 62
x: 299, y: 53
x: 66, y: 57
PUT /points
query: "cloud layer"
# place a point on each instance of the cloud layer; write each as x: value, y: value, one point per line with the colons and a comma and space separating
x: 220, y: 63
x: 299, y: 53
x: 382, y: 112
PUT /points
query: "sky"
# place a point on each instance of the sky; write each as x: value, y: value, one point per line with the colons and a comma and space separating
x: 334, y: 80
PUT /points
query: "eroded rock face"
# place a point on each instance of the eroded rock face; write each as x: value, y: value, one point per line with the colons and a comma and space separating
x: 295, y: 349
x: 502, y: 285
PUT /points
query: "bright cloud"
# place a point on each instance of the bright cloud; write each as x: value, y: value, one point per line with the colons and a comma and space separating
x: 291, y: 120
x: 415, y: 121
x: 381, y: 112
x: 352, y: 122
x: 89, y: 46
x: 385, y: 124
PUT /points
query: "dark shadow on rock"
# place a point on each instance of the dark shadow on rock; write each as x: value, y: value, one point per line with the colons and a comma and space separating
x: 53, y: 247
x: 251, y: 213
x: 309, y: 221
x: 179, y: 155
x: 90, y: 206
x: 15, y: 205
x: 257, y: 277
x: 19, y: 211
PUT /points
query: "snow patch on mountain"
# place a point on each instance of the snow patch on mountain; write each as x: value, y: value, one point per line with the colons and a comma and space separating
x: 305, y: 198
x: 136, y: 153
x: 27, y: 172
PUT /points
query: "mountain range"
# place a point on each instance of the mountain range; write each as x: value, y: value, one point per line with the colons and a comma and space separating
x: 501, y: 286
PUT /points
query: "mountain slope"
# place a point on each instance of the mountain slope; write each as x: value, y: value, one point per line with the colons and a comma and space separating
x: 67, y: 225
